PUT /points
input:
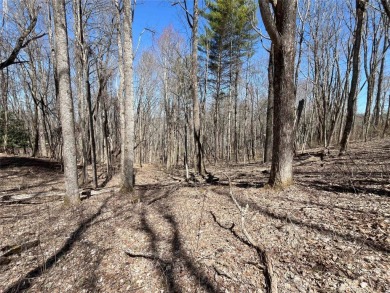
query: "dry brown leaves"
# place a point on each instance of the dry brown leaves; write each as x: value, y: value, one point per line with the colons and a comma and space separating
x: 328, y: 233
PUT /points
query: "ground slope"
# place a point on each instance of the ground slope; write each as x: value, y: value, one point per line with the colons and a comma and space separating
x: 327, y: 233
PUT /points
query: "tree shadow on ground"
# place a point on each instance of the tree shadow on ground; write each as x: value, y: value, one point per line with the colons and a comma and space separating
x: 26, y: 281
x: 347, y: 188
x: 178, y: 255
x: 310, y: 203
x: 381, y: 247
x: 10, y: 162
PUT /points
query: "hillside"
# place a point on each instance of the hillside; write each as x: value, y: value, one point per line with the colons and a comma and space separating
x: 327, y: 233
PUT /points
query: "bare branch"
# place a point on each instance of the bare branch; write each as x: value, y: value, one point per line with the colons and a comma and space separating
x: 304, y: 17
x: 258, y: 30
x: 188, y: 14
x: 269, y: 22
x: 21, y: 43
x: 386, y: 6
x: 139, y: 39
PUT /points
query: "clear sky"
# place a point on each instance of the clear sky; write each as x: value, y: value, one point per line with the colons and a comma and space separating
x: 159, y: 14
x: 156, y: 15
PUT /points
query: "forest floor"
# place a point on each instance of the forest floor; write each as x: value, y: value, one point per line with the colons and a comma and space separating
x: 327, y: 233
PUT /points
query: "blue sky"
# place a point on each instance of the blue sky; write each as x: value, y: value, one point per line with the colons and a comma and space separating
x: 159, y: 14
x: 156, y: 15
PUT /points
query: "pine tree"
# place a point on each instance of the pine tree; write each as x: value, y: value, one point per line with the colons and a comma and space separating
x: 229, y: 38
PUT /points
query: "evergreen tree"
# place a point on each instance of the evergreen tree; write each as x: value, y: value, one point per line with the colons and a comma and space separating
x: 17, y: 132
x: 229, y: 37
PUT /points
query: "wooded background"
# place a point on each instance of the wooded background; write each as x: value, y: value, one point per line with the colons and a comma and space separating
x: 202, y: 99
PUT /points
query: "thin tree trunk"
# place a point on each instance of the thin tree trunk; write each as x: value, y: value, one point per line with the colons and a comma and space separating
x: 270, y: 110
x: 352, y: 97
x: 194, y: 88
x: 4, y: 96
x: 380, y: 81
x: 91, y: 129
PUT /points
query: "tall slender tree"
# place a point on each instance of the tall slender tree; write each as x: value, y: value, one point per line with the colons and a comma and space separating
x: 231, y: 36
x: 353, y: 91
x: 128, y: 140
x: 66, y: 102
x: 194, y: 89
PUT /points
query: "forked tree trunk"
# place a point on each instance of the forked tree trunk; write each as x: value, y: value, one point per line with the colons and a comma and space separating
x: 66, y: 102
x: 281, y: 27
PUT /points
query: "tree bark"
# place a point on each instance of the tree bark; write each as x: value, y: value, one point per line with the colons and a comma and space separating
x: 66, y: 102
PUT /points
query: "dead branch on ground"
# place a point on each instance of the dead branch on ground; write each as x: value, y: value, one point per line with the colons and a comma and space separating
x: 264, y: 255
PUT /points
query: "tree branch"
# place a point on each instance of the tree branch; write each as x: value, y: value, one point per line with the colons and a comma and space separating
x: 386, y: 6
x: 20, y: 44
x: 188, y: 14
x: 269, y: 22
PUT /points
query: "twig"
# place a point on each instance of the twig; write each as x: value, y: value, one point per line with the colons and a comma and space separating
x: 143, y: 255
x: 219, y: 271
x: 269, y: 275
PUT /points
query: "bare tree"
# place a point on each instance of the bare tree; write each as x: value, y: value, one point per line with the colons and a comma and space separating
x: 128, y: 140
x: 352, y: 96
x: 194, y: 89
x: 281, y: 27
x: 66, y: 102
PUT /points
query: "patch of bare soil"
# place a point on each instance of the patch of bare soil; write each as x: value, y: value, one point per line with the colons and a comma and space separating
x: 327, y: 233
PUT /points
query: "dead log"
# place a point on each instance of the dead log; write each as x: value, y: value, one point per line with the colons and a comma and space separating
x: 310, y: 155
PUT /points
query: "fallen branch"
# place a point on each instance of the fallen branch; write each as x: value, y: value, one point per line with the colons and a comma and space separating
x: 269, y: 275
x: 220, y: 272
x: 143, y: 255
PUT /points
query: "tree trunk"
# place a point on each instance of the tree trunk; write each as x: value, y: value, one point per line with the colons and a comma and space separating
x: 270, y: 110
x: 380, y: 81
x: 80, y: 64
x: 282, y: 32
x: 194, y: 88
x: 352, y: 96
x: 128, y: 161
x: 4, y: 97
x: 121, y: 86
x: 66, y: 103
x: 91, y: 129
